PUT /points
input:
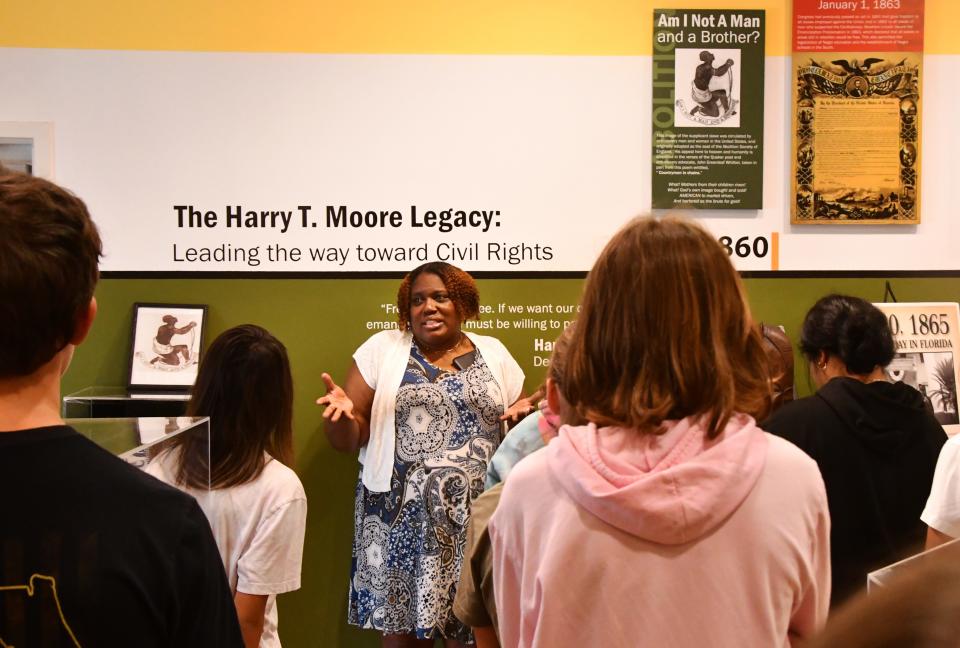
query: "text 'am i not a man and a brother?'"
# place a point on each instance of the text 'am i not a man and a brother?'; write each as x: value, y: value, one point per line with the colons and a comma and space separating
x: 235, y: 217
x: 708, y: 22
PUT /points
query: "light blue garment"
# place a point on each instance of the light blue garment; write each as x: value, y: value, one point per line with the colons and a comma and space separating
x: 523, y: 439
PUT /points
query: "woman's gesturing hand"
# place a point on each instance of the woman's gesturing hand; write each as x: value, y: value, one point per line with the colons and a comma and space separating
x: 523, y: 406
x: 519, y: 410
x: 336, y: 401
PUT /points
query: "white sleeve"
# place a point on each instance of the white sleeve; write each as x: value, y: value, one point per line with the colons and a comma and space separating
x: 943, y: 507
x: 368, y: 357
x: 271, y: 565
x: 512, y: 377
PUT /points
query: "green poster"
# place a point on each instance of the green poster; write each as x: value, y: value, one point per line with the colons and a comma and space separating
x: 708, y: 109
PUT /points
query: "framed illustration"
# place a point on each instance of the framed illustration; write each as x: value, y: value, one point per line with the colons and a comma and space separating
x: 856, y: 118
x: 165, y: 343
x: 27, y: 147
x: 857, y: 140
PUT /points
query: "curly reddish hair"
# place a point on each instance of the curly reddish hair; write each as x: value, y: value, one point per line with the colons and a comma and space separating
x: 461, y: 286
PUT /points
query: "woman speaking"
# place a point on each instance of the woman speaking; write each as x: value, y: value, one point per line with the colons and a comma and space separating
x: 423, y: 404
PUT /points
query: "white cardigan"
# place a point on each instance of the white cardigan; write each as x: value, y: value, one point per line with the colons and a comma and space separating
x: 382, y: 361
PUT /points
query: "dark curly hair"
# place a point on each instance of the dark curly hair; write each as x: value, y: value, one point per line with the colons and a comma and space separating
x: 850, y: 328
x: 460, y: 285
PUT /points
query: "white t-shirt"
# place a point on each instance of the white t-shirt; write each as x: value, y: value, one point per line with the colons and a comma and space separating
x: 943, y: 506
x: 259, y: 529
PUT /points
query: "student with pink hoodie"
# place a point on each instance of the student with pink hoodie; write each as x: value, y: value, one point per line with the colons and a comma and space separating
x: 670, y: 519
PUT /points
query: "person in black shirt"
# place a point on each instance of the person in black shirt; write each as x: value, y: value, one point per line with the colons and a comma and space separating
x: 876, y: 442
x: 93, y: 552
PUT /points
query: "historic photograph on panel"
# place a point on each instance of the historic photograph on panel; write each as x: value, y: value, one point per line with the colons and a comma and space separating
x: 932, y: 374
x: 708, y: 87
x: 165, y: 346
x: 926, y: 336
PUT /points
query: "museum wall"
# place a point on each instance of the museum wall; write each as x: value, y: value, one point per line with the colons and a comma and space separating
x: 165, y: 140
x: 321, y: 321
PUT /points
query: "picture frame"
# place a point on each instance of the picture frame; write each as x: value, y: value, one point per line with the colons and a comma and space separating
x: 27, y: 147
x: 165, y: 346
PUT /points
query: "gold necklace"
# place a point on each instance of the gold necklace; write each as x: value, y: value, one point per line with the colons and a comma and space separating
x: 426, y: 352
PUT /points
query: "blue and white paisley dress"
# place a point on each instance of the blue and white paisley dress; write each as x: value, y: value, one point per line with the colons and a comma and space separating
x: 408, y: 543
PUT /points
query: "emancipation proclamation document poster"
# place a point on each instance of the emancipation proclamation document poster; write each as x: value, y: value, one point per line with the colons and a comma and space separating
x: 858, y: 67
x: 708, y: 109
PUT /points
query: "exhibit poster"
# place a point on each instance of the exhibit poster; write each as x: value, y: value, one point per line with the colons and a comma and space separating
x: 927, y: 336
x: 708, y: 109
x: 858, y: 68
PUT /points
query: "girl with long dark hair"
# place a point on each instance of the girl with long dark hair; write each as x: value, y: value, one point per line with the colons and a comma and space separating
x: 243, y: 478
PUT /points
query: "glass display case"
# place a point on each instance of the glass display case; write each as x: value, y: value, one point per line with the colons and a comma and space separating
x: 880, y: 578
x: 120, y: 402
x: 138, y: 440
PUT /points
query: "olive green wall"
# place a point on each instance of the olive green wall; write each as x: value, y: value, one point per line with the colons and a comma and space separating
x: 322, y: 321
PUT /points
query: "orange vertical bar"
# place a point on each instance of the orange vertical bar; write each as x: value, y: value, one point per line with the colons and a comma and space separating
x: 775, y: 250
